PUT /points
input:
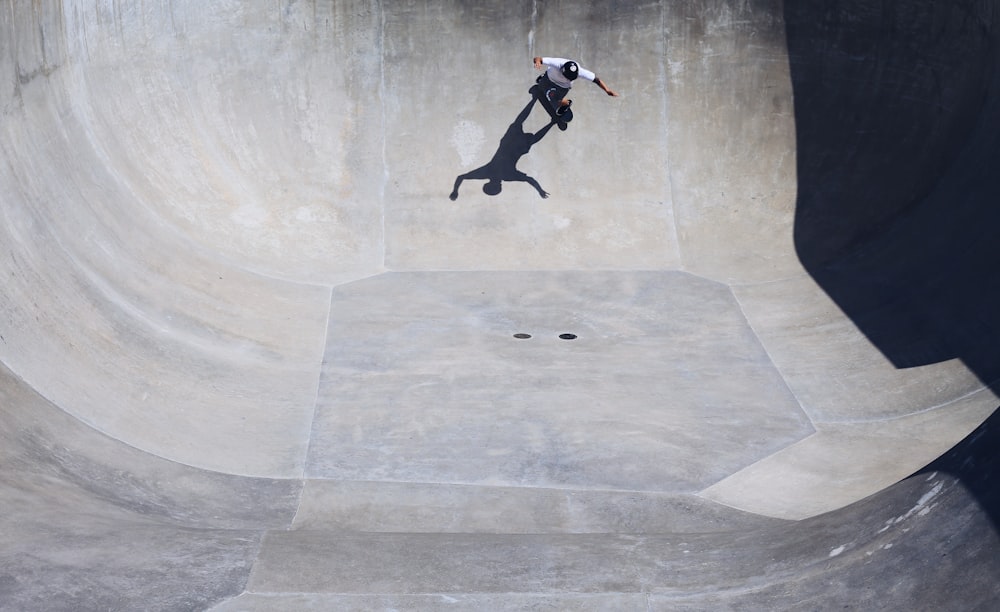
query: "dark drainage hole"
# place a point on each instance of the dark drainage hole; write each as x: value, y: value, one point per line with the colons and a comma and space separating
x: 568, y: 336
x: 522, y: 336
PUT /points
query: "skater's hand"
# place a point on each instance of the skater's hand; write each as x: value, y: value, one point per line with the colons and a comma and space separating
x: 538, y: 63
x: 604, y: 86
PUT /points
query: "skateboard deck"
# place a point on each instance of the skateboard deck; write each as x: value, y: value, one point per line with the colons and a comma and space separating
x: 550, y: 106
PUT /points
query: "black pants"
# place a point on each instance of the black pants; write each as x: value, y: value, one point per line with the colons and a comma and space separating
x: 552, y: 92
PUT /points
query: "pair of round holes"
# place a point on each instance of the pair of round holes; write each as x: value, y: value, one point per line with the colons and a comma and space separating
x: 562, y: 336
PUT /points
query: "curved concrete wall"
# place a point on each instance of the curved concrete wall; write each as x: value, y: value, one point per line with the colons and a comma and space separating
x: 232, y: 265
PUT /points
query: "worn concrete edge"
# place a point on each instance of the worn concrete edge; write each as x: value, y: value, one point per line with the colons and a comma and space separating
x: 778, y: 486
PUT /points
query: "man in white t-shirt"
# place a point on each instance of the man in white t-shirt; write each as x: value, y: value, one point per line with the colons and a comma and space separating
x: 558, y: 80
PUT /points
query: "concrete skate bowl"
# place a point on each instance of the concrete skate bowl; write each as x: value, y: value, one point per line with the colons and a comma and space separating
x: 742, y: 357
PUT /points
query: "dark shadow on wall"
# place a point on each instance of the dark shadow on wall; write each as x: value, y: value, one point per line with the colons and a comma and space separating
x: 514, y: 145
x: 898, y: 191
x: 897, y: 110
x: 975, y: 461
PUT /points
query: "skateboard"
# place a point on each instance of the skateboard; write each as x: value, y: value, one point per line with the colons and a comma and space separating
x: 550, y: 106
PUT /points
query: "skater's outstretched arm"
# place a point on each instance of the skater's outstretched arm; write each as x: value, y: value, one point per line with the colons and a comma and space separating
x: 607, y: 90
x: 479, y: 173
x: 542, y: 132
x: 454, y: 191
x: 531, y: 181
x: 458, y: 181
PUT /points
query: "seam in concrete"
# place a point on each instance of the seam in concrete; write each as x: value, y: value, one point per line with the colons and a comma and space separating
x: 264, y: 534
x: 553, y: 594
x: 701, y: 494
x: 773, y: 281
x: 665, y: 110
x: 298, y: 500
x: 985, y: 387
x: 531, y: 31
x: 526, y: 487
x: 770, y: 358
x: 312, y: 421
x: 380, y: 43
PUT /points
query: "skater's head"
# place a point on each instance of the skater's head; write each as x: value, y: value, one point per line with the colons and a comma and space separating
x: 492, y: 187
x: 570, y: 70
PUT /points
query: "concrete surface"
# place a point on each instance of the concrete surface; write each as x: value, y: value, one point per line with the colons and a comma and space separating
x: 254, y: 358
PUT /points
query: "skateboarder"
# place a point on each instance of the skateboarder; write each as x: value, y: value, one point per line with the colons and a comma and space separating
x: 558, y: 80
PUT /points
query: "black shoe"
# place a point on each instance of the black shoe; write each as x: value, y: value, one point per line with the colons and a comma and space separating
x: 562, y: 109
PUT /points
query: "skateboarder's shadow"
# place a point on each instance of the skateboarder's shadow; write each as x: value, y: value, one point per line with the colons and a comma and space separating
x: 503, y: 167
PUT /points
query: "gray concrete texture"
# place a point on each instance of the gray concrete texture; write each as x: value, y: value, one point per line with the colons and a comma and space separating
x: 254, y: 357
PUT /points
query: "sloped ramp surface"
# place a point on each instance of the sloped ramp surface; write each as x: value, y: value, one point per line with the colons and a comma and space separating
x: 741, y: 357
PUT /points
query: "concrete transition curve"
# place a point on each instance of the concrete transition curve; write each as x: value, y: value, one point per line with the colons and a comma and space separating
x: 727, y: 342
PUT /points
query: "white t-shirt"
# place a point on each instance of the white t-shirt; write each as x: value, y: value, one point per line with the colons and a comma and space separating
x: 556, y: 76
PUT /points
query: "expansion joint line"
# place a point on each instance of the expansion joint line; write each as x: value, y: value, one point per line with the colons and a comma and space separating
x: 383, y: 186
